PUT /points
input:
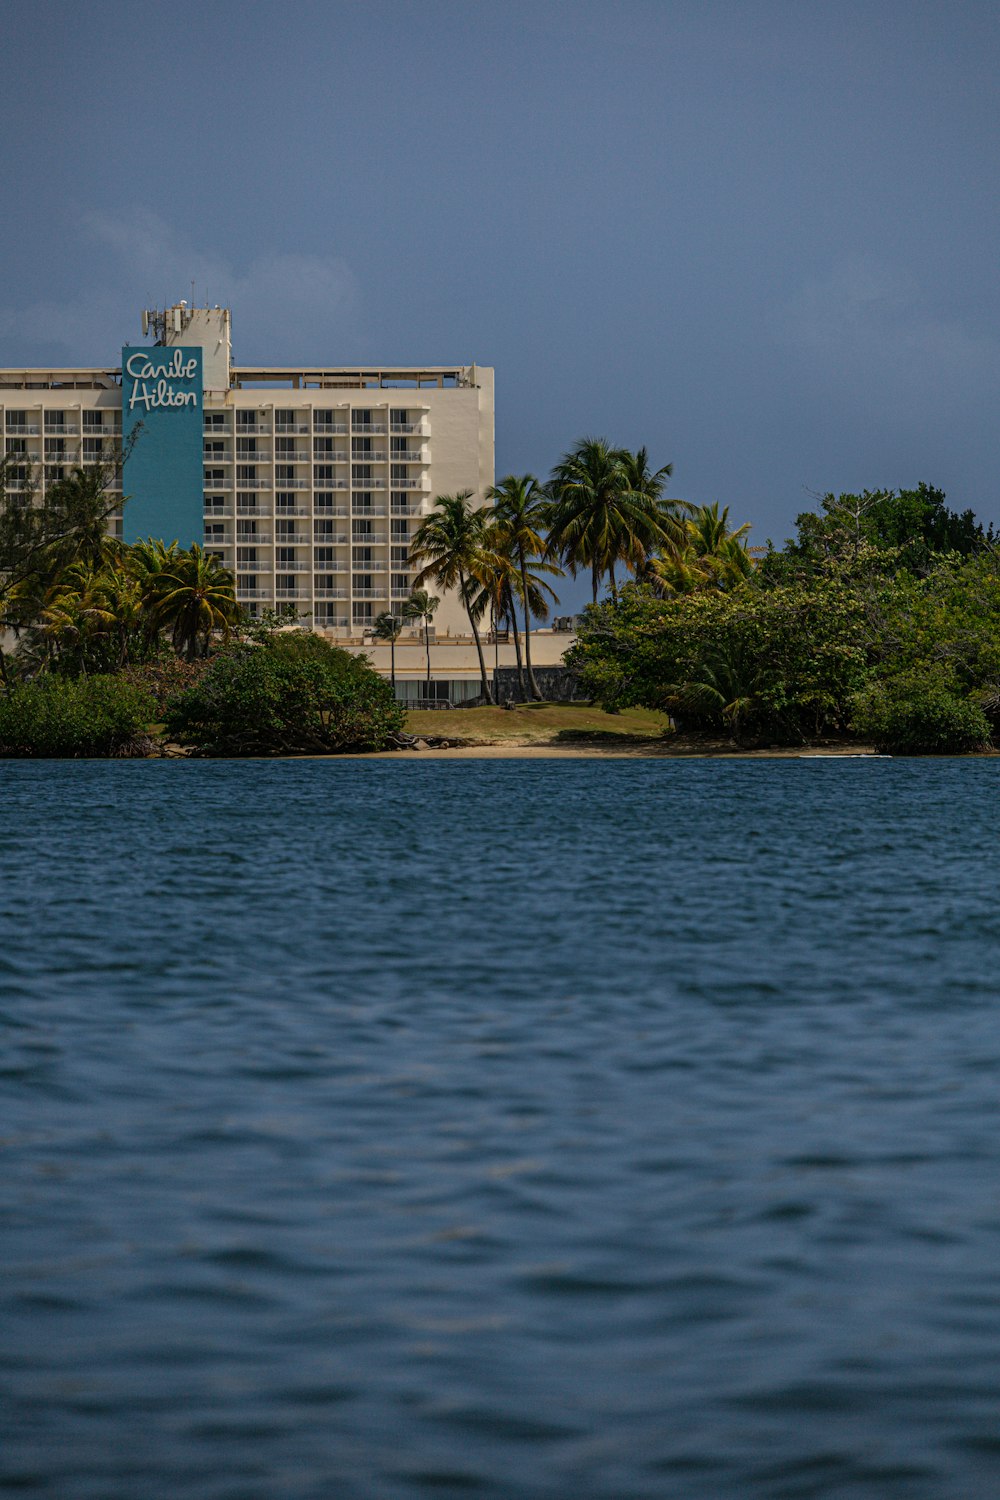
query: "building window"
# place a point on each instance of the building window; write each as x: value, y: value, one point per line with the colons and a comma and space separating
x: 246, y: 473
x: 361, y: 474
x: 215, y: 421
x: 400, y: 530
x: 400, y: 581
x: 361, y: 418
x: 324, y: 500
x: 361, y: 555
x: 400, y: 556
x: 322, y: 527
x: 362, y: 614
x: 283, y: 556
x: 323, y: 557
x: 323, y: 474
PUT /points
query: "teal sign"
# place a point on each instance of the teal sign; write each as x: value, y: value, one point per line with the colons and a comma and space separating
x: 162, y: 390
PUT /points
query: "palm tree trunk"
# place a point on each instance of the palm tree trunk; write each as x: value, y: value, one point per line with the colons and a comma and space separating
x: 487, y: 693
x: 595, y: 578
x: 427, y: 648
x: 532, y: 684
x: 517, y: 650
x: 392, y: 664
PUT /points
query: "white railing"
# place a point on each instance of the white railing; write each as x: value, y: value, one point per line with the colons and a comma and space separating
x: 60, y: 427
x: 291, y: 593
x: 253, y: 455
x: 401, y: 593
x: 291, y: 510
x: 367, y: 456
x: 253, y: 538
x: 331, y: 593
x: 27, y: 429
x: 331, y: 567
x: 217, y: 484
x: 330, y: 456
x: 369, y: 593
x: 291, y: 484
x: 218, y: 512
x: 418, y: 429
x: 330, y: 484
x: 367, y: 567
x: 252, y: 593
x: 367, y: 429
x: 408, y: 456
x: 245, y: 565
x: 253, y: 510
x: 216, y: 458
x: 333, y: 511
x: 367, y: 484
x: 405, y: 510
x: 218, y: 539
x: 249, y: 484
x: 329, y: 538
x: 331, y: 622
x: 368, y: 538
x: 292, y: 456
x: 336, y: 429
x: 368, y: 512
x: 290, y: 426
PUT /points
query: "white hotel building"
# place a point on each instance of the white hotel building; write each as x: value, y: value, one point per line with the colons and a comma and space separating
x: 307, y: 483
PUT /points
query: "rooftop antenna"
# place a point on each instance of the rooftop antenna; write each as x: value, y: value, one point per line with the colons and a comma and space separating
x: 192, y: 293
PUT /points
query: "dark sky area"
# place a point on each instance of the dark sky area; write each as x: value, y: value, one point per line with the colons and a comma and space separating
x: 760, y: 238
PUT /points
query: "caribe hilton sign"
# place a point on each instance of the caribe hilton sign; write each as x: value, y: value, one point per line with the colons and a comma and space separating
x: 154, y: 380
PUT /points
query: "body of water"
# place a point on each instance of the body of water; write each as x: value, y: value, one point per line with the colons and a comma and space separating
x: 585, y: 1130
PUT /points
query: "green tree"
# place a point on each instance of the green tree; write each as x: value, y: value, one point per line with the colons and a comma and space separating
x: 296, y: 695
x: 522, y: 508
x: 422, y: 606
x: 451, y: 543
x: 194, y: 596
x: 598, y: 520
x: 386, y: 628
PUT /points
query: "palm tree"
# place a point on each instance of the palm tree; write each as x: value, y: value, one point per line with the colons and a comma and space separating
x: 643, y: 481
x: 713, y: 557
x: 504, y: 584
x: 522, y: 509
x: 386, y: 628
x: 452, y: 541
x: 597, y: 520
x: 421, y: 606
x: 194, y: 597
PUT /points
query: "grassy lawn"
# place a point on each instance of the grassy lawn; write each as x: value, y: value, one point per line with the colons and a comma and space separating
x: 540, y: 723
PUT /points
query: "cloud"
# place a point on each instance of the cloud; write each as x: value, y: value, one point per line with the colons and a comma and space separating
x: 869, y: 325
x: 287, y: 308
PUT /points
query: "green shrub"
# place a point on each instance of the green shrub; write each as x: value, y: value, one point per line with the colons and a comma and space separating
x: 920, y: 714
x: 295, y: 695
x: 71, y: 717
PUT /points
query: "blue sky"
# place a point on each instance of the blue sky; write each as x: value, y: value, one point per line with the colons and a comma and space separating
x: 760, y: 238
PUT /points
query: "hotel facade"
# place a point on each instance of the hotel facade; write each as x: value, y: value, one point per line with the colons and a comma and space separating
x: 308, y: 483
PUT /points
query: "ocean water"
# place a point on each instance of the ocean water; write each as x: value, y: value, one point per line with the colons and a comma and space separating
x: 587, y: 1130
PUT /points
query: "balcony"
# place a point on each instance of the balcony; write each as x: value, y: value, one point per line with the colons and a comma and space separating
x: 330, y: 456
x: 333, y: 511
x: 253, y: 510
x: 367, y: 567
x: 218, y: 539
x: 329, y: 484
x: 408, y: 456
x: 242, y: 566
x: 216, y: 512
x: 252, y: 455
x: 331, y: 567
x: 401, y: 593
x: 292, y: 594
x: 297, y: 427
x: 300, y: 456
x: 366, y: 429
x: 252, y: 593
x: 26, y: 429
x: 209, y: 456
x: 367, y: 456
x: 250, y: 484
x: 329, y: 538
x: 291, y: 510
x: 61, y: 427
x: 417, y: 429
x: 405, y: 510
x: 335, y: 429
x: 292, y: 484
x: 416, y: 483
x: 368, y: 484
x: 368, y: 538
x: 217, y: 484
x: 253, y: 538
x: 293, y: 567
x: 331, y: 622
x: 367, y: 511
x: 331, y: 593
x: 369, y: 593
